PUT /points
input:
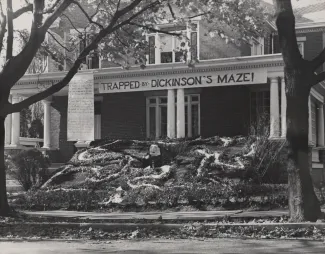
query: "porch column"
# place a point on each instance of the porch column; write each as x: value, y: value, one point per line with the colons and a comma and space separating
x: 310, y: 128
x: 283, y: 109
x: 274, y: 109
x: 8, y: 125
x: 321, y: 128
x: 47, y: 123
x: 171, y: 132
x: 180, y: 113
x: 15, y: 129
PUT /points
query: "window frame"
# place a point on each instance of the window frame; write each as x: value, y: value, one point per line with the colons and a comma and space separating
x: 88, y: 60
x: 153, y: 59
x: 301, y: 41
x: 302, y: 50
x: 157, y: 104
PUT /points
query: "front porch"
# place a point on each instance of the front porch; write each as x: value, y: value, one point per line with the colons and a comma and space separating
x: 202, y: 109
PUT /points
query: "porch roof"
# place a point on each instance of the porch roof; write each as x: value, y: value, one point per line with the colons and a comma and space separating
x: 31, y: 83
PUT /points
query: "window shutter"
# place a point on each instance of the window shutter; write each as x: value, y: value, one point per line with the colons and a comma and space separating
x: 194, y: 45
x: 152, y: 59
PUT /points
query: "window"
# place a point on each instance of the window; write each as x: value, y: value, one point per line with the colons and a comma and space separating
x: 314, y: 122
x: 173, y: 49
x: 301, y: 48
x: 257, y: 47
x: 166, y: 48
x: 157, y: 116
x: 98, y: 118
x: 92, y: 60
x: 260, y: 111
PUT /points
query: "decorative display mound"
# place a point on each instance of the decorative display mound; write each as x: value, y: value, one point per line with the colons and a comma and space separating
x: 201, y: 172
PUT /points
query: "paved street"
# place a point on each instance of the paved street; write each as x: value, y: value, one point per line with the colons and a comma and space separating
x: 164, y: 246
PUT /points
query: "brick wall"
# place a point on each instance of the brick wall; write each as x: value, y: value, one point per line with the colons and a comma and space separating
x: 225, y: 111
x: 312, y: 46
x: 215, y: 47
x: 124, y: 116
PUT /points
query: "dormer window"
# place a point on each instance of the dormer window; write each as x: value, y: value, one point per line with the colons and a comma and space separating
x: 166, y: 48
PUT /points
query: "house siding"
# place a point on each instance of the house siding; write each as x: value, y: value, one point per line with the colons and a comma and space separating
x: 225, y: 111
x: 124, y: 116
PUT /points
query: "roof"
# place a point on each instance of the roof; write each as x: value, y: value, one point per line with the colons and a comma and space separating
x: 311, y: 13
x: 306, y: 11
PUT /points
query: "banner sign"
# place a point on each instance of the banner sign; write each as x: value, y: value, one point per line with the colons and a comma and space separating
x: 187, y: 80
x: 81, y: 109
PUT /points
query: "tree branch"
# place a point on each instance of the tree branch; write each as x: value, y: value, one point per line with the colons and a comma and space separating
x: 154, y: 29
x: 74, y: 69
x: 16, y: 67
x: 10, y: 36
x: 56, y: 40
x: 200, y: 14
x: 51, y: 8
x: 22, y: 10
x: 3, y: 20
x: 285, y: 22
x: 74, y: 27
x: 318, y: 60
x: 29, y: 7
x: 319, y: 77
x: 127, y: 21
x: 87, y: 16
x: 171, y: 10
x: 56, y: 13
x: 118, y: 5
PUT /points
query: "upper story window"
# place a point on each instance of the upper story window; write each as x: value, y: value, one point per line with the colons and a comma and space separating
x: 257, y: 46
x: 165, y: 48
x: 92, y: 60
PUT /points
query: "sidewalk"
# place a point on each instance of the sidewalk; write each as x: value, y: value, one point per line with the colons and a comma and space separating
x: 192, y: 215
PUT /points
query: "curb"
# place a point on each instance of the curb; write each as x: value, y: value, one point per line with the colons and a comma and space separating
x: 111, y: 227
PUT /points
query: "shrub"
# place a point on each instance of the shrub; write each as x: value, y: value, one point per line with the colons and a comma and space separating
x: 268, y: 163
x: 29, y: 168
x: 36, y: 129
x: 71, y: 199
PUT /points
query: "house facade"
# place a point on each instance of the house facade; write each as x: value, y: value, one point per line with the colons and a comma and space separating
x: 226, y: 93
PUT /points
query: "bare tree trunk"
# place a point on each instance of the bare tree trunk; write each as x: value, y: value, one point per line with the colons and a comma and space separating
x: 4, y: 207
x: 303, y: 203
x: 299, y: 78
